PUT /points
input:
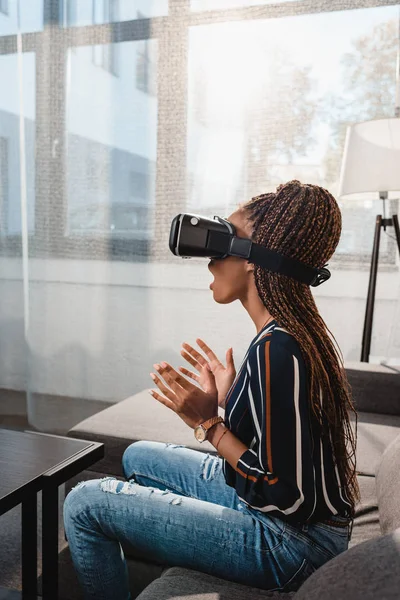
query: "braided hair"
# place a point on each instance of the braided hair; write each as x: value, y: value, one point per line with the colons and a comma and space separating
x: 303, y: 221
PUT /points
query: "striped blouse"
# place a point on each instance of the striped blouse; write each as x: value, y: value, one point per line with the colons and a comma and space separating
x: 288, y: 470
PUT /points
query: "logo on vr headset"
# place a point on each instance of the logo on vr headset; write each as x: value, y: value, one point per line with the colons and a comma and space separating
x: 194, y: 235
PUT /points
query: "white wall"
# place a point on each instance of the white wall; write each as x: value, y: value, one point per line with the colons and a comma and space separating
x: 96, y: 328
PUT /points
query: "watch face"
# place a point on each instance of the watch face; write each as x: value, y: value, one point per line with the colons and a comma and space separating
x: 199, y: 433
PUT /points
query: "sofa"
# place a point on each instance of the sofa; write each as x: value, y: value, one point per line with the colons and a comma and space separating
x: 370, y: 568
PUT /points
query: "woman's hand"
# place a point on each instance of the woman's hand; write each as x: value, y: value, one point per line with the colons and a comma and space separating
x: 192, y: 405
x: 221, y: 377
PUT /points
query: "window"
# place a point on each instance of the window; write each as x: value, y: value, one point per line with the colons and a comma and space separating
x: 4, y: 184
x: 277, y: 113
x: 4, y: 7
x: 145, y: 67
x: 105, y: 55
x: 242, y: 106
x: 144, y: 70
x: 69, y: 12
x: 139, y: 184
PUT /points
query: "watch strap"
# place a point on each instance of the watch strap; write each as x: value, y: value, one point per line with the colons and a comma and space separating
x: 211, y: 422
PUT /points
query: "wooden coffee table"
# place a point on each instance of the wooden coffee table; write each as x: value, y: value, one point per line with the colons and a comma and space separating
x: 31, y: 462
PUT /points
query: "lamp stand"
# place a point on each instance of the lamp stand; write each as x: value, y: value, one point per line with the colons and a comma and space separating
x: 369, y: 312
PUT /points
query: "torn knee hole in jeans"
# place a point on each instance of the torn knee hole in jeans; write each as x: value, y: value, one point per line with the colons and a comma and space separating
x: 83, y: 483
x: 174, y: 500
x: 115, y: 486
x: 78, y: 485
x: 208, y: 467
x: 169, y: 445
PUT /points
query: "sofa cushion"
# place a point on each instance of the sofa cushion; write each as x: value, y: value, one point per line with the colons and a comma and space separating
x: 366, y: 572
x: 186, y: 584
x: 375, y: 388
x: 388, y: 487
x: 366, y: 521
x: 139, y: 417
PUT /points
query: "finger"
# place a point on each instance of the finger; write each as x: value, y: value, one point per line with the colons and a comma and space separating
x: 207, y: 350
x: 229, y: 357
x: 163, y: 388
x: 163, y: 400
x: 199, y: 357
x: 191, y: 360
x: 190, y: 374
x: 175, y: 379
x: 171, y: 375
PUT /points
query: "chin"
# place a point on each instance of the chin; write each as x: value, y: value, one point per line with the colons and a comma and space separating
x: 220, y: 299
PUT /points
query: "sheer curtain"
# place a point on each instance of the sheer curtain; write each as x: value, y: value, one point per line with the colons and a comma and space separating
x: 117, y: 115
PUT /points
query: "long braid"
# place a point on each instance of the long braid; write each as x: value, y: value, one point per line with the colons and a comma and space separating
x: 304, y: 222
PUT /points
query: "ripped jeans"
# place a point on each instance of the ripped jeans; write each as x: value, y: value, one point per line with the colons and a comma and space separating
x: 176, y: 509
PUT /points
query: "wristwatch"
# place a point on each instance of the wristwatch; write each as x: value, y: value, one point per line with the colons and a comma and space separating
x: 201, y: 431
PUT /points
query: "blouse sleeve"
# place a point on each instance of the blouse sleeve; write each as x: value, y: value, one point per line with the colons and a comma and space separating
x: 277, y: 474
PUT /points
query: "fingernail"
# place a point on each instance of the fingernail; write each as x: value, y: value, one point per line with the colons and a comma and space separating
x: 152, y: 375
x: 156, y: 366
x: 163, y: 364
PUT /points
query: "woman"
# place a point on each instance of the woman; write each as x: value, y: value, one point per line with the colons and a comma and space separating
x: 278, y: 500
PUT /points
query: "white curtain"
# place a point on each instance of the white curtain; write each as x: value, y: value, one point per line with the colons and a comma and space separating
x: 117, y: 115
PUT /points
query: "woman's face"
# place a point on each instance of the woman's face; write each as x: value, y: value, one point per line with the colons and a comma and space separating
x: 232, y: 275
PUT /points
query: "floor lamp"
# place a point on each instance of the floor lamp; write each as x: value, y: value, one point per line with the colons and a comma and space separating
x: 371, y: 163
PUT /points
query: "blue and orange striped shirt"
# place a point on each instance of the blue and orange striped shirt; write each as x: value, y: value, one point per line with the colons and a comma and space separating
x: 288, y: 469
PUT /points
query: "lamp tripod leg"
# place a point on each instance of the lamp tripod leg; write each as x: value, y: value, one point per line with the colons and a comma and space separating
x: 369, y: 311
x: 397, y: 230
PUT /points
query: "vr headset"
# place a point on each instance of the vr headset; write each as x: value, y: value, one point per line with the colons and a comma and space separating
x: 194, y: 235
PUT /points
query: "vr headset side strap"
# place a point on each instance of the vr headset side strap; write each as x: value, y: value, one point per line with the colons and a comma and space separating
x: 229, y: 245
x: 277, y: 263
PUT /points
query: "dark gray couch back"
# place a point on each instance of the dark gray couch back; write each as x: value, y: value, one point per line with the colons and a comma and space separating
x: 375, y: 388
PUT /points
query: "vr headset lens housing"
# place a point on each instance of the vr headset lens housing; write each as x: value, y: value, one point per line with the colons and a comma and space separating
x: 194, y: 235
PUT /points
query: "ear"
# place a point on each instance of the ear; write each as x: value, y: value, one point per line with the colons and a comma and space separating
x: 249, y: 267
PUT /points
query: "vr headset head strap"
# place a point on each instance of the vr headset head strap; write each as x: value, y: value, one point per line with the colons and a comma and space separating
x: 231, y: 245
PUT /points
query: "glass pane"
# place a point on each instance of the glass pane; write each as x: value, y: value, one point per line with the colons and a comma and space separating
x: 28, y: 19
x: 88, y: 12
x: 358, y: 226
x: 111, y: 147
x: 11, y: 156
x: 270, y: 100
x: 199, y: 5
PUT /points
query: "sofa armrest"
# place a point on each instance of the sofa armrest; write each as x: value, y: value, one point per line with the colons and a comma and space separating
x: 368, y: 571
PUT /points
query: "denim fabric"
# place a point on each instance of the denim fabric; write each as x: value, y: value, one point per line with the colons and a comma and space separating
x: 176, y: 509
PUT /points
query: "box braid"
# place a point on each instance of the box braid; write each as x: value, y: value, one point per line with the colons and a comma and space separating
x: 303, y: 221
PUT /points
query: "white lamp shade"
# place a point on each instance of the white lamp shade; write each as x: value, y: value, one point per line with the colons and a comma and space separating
x: 371, y: 157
